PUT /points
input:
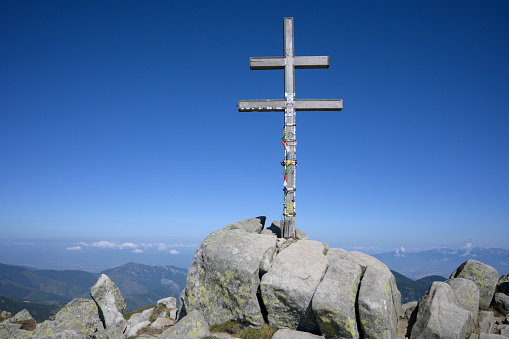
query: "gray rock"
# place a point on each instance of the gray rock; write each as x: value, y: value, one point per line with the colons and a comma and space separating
x: 169, y: 302
x: 377, y: 311
x: 501, y: 303
x: 486, y: 322
x: 409, y: 308
x: 21, y: 316
x: 108, y: 297
x: 11, y: 332
x: 503, y: 284
x: 379, y: 300
x: 439, y: 315
x: 109, y: 333
x: 79, y: 318
x: 467, y: 293
x: 285, y: 333
x: 181, y: 311
x: 133, y: 320
x: 366, y: 260
x: 492, y: 336
x: 192, y: 325
x: 133, y: 330
x: 251, y: 225
x: 506, y: 320
x: 224, y: 276
x: 145, y: 315
x: 288, y: 287
x: 484, y: 276
x: 161, y: 323
x: 334, y: 300
x: 337, y: 253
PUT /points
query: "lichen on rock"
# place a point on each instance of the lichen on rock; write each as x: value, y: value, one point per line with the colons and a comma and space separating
x: 224, y: 276
x: 484, y: 276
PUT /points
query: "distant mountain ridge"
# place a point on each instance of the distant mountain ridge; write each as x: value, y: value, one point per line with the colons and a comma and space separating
x: 140, y: 285
x: 443, y: 261
x: 414, y: 290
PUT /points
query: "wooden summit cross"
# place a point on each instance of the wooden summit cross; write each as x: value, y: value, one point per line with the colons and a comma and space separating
x: 289, y: 62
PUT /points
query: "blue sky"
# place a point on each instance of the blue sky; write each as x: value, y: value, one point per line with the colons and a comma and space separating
x: 118, y: 125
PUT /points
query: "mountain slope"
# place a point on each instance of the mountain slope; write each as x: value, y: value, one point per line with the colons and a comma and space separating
x: 414, y: 290
x: 143, y: 285
x: 38, y: 311
x: 140, y: 285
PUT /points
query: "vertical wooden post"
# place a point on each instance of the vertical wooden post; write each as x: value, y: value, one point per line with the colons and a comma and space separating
x: 289, y: 62
x: 290, y: 140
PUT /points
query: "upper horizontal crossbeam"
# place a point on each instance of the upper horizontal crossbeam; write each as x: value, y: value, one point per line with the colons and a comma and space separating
x: 299, y: 62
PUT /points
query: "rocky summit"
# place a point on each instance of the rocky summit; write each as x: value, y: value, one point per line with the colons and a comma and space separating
x: 248, y: 277
x: 245, y: 273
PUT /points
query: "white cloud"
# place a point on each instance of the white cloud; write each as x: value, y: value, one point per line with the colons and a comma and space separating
x: 104, y: 244
x: 138, y: 251
x: 400, y: 252
x: 468, y: 247
x: 109, y: 244
x: 74, y: 248
x: 127, y: 245
x: 174, y: 252
x: 162, y: 247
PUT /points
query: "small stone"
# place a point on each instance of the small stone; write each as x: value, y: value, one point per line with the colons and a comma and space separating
x: 408, y: 308
x: 501, y: 303
x: 169, y: 303
x: 134, y: 329
x: 285, y: 333
x: 192, y: 325
x: 486, y: 322
x: 161, y: 323
x: 145, y: 315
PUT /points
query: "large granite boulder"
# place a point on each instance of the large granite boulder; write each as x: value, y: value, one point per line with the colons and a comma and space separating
x: 484, y: 276
x: 224, y: 276
x: 288, y: 287
x: 467, y: 294
x: 334, y: 299
x: 379, y: 300
x: 108, y: 297
x: 77, y: 319
x: 193, y: 325
x: 440, y: 316
x: 251, y: 225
